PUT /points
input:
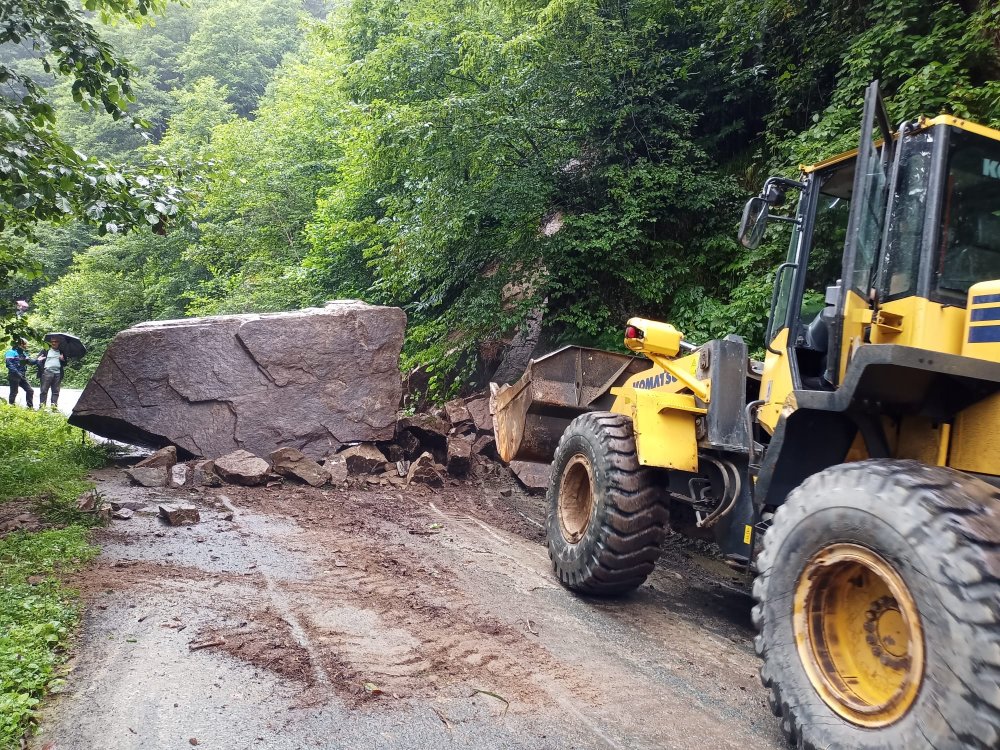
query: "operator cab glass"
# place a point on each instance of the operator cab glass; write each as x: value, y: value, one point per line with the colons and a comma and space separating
x: 901, y: 259
x: 944, y: 226
x: 968, y: 245
x: 805, y: 300
x: 886, y: 242
x: 817, y: 307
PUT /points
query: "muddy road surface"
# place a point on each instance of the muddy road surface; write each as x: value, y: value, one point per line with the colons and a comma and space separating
x: 384, y: 617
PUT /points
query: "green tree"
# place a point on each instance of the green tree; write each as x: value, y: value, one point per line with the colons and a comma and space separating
x: 265, y: 178
x: 117, y: 283
x: 42, y: 177
x: 502, y: 154
x: 480, y: 163
x: 199, y: 108
x: 239, y: 44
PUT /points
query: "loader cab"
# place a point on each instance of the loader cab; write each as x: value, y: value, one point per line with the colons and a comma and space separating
x: 886, y: 243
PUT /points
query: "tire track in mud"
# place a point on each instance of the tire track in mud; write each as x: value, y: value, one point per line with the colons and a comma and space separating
x: 279, y: 601
x: 409, y: 627
x: 431, y: 597
x: 383, y: 604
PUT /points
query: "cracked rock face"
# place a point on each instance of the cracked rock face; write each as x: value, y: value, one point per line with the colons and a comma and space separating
x: 311, y: 379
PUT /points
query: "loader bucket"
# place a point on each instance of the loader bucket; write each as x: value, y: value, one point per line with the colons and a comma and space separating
x: 530, y: 415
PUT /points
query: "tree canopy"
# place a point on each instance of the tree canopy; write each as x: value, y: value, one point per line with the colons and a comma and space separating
x: 480, y: 164
x: 43, y: 178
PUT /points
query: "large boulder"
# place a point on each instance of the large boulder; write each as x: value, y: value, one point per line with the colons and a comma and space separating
x: 312, y: 379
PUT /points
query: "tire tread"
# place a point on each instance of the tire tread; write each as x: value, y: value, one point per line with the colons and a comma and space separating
x: 958, y: 520
x: 632, y: 522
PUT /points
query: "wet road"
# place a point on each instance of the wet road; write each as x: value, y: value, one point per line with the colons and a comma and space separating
x: 381, y: 618
x: 67, y: 398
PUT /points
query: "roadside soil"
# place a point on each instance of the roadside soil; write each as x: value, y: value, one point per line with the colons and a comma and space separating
x: 385, y: 617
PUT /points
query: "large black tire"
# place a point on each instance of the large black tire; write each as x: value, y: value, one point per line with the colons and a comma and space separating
x: 606, y: 517
x: 939, y: 530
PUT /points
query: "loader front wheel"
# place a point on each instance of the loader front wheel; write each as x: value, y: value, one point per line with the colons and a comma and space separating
x: 606, y: 516
x: 878, y: 606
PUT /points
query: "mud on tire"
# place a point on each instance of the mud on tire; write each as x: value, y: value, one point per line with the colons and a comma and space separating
x: 606, y: 517
x: 940, y: 531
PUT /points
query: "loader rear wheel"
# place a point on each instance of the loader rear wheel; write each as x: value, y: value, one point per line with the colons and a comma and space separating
x: 878, y: 606
x: 606, y: 517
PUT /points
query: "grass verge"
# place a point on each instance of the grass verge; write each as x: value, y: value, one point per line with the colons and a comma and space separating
x: 45, y: 462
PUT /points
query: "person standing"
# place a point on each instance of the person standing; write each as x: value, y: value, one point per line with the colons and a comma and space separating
x: 50, y: 371
x: 16, y: 359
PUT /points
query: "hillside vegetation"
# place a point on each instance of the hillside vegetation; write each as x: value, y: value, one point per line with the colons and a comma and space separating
x: 475, y: 162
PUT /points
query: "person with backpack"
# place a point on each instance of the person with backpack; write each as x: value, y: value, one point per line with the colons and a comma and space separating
x: 50, y: 364
x: 16, y: 359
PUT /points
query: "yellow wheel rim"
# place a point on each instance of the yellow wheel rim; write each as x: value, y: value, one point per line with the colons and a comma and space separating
x: 859, y: 635
x: 576, y: 498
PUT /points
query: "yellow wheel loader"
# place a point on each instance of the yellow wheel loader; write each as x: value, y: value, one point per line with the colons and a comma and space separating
x: 854, y: 472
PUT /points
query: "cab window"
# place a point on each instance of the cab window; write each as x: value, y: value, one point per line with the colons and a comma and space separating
x: 969, y: 245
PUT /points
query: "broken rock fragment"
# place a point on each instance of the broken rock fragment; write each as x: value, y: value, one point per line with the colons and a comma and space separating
x: 336, y: 467
x: 479, y: 408
x: 203, y: 473
x: 486, y: 445
x: 149, y: 476
x: 242, y: 467
x: 88, y: 501
x: 456, y: 412
x: 132, y: 505
x: 424, y: 471
x: 291, y: 462
x: 312, y: 379
x: 409, y: 444
x: 431, y: 431
x: 534, y: 476
x: 363, y: 459
x: 178, y: 475
x: 393, y: 453
x: 165, y: 457
x: 179, y: 515
x: 459, y: 455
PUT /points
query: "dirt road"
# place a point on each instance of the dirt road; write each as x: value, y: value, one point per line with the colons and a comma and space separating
x: 384, y: 619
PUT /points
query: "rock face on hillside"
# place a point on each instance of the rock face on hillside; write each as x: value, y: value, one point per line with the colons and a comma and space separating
x: 311, y: 379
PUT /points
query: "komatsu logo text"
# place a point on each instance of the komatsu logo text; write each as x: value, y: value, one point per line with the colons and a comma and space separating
x: 654, y: 381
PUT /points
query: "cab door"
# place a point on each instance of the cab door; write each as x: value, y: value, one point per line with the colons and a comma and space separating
x: 865, y: 228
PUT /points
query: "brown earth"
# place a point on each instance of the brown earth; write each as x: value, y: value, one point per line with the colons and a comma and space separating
x: 19, y: 515
x: 398, y: 618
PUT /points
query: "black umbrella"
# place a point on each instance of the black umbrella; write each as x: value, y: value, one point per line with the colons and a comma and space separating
x: 69, y: 344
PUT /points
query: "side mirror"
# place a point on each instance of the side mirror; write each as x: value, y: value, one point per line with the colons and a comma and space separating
x: 754, y: 223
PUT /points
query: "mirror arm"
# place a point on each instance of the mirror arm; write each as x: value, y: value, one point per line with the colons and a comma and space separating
x: 789, y: 219
x: 783, y: 181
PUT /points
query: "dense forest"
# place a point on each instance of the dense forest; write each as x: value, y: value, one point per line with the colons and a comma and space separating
x: 491, y: 166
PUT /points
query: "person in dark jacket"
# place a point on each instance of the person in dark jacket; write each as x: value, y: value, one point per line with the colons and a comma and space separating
x: 50, y: 372
x: 16, y: 359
